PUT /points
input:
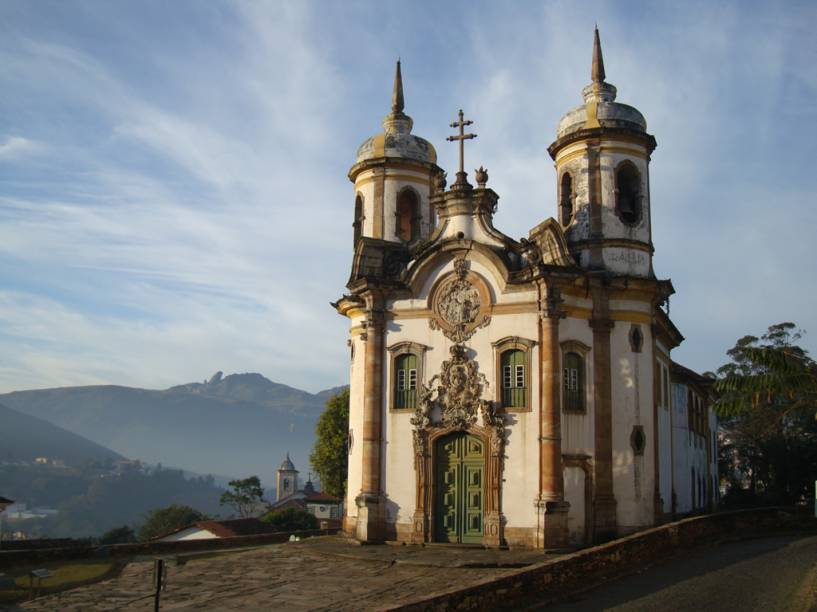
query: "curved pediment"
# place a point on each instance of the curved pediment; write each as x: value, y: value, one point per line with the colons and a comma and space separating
x: 429, y: 262
x: 547, y: 242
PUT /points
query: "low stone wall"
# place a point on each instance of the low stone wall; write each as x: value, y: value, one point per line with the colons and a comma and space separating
x: 586, y: 568
x: 16, y: 558
x: 50, y: 543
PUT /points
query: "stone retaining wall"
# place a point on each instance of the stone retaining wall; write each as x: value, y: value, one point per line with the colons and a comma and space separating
x: 584, y: 569
x: 16, y: 558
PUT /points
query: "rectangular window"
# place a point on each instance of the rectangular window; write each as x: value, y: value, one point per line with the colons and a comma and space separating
x: 514, y: 382
x: 405, y: 381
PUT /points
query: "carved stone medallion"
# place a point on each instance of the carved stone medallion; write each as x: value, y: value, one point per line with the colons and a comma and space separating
x: 460, y: 306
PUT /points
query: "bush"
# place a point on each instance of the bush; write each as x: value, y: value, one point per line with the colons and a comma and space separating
x: 290, y: 519
x: 118, y: 535
x: 163, y: 521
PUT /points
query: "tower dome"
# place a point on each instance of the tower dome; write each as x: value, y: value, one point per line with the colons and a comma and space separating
x: 287, y: 464
x: 600, y: 108
x: 397, y: 141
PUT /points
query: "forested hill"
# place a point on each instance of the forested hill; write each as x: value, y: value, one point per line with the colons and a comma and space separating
x: 239, y: 425
x: 24, y: 437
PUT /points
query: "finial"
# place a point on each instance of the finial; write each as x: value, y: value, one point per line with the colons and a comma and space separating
x: 482, y: 176
x: 597, y: 71
x: 397, y: 103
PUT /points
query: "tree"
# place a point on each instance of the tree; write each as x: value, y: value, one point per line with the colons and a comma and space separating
x: 769, y: 372
x: 766, y: 398
x: 329, y: 457
x: 290, y: 519
x: 162, y: 521
x: 246, y: 496
x: 118, y: 535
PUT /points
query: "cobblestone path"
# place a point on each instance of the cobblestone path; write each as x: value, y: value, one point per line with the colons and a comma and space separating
x: 278, y: 577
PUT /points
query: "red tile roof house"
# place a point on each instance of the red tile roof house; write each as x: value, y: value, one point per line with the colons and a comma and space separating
x: 227, y: 528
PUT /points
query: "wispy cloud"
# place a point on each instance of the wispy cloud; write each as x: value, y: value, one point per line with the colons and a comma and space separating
x: 13, y: 147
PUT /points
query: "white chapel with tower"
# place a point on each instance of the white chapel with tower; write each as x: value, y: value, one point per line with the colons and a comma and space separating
x: 502, y: 391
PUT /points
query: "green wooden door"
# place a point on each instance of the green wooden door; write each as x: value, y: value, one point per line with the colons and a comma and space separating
x: 458, y: 497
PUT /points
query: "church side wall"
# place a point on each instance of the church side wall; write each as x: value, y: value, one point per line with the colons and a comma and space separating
x: 665, y: 459
x: 664, y: 431
x: 578, y: 429
x: 356, y: 382
x: 633, y: 475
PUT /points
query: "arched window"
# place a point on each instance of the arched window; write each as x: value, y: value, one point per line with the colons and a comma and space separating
x: 628, y: 193
x: 405, y: 381
x: 514, y: 366
x: 358, y: 224
x: 408, y: 209
x: 574, y: 382
x: 566, y: 199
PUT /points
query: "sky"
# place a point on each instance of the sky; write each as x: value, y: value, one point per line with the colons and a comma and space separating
x: 173, y: 190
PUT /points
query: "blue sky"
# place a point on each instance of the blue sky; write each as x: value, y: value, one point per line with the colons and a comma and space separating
x: 173, y: 191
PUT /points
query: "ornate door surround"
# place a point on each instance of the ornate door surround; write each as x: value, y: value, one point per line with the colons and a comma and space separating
x: 453, y: 405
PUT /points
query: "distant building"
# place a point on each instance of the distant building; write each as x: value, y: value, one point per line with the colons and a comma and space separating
x: 321, y: 505
x: 208, y: 530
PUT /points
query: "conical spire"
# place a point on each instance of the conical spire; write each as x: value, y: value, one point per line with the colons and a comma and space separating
x: 397, y: 122
x: 397, y: 103
x: 597, y: 71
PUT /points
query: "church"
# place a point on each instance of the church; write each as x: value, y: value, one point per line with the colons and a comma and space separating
x: 513, y: 392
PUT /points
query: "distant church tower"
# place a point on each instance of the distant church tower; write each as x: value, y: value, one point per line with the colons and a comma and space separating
x: 393, y: 176
x: 602, y: 154
x: 287, y: 480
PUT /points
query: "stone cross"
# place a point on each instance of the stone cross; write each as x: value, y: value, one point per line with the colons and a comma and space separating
x: 461, y: 137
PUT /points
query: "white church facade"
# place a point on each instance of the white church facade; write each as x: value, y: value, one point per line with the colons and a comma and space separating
x: 509, y: 392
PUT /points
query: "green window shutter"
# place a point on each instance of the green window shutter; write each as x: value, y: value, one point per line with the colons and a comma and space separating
x: 405, y: 381
x: 514, y: 378
x: 574, y: 382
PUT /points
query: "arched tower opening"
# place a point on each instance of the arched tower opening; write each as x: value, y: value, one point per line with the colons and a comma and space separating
x: 407, y: 215
x: 566, y: 199
x: 628, y: 193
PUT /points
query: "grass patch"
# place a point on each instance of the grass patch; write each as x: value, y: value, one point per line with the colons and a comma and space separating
x: 64, y: 575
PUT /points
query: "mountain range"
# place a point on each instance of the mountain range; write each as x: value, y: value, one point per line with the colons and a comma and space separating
x: 24, y: 437
x: 239, y: 425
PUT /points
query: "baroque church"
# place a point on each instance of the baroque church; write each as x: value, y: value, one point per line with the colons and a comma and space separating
x: 512, y: 392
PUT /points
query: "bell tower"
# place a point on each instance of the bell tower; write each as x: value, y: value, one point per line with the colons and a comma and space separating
x: 286, y: 479
x: 602, y: 155
x: 393, y: 175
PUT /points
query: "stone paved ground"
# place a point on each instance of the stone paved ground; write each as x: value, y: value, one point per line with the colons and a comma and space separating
x: 316, y: 574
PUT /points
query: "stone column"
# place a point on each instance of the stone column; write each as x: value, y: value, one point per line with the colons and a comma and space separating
x: 371, y: 519
x: 551, y: 506
x: 604, y: 505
